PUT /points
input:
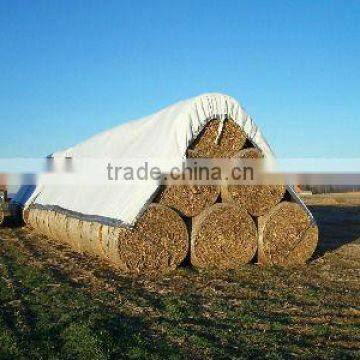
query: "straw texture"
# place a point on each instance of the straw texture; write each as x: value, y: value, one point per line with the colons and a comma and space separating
x: 256, y: 199
x: 287, y: 235
x: 231, y: 141
x: 157, y: 244
x: 224, y: 236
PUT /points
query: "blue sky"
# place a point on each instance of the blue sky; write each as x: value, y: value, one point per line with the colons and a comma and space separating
x: 69, y: 69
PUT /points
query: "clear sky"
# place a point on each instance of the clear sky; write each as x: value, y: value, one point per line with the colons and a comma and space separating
x: 69, y: 69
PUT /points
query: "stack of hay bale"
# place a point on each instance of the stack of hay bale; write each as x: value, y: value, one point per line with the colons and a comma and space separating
x: 221, y: 227
x: 233, y: 223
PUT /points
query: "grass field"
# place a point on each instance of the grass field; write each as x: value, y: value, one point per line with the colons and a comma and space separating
x: 55, y: 303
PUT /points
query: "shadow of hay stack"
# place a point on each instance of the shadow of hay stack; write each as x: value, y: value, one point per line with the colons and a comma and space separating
x: 338, y: 225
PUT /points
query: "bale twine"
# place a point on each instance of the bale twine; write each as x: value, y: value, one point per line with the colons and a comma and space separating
x: 224, y: 236
x: 158, y: 243
x: 189, y: 200
x: 256, y: 199
x: 287, y: 235
x: 210, y: 145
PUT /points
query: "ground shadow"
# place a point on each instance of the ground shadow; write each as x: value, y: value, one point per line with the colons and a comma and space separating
x: 338, y: 225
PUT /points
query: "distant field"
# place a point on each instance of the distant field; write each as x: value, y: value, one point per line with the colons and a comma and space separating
x: 56, y: 303
x: 352, y: 198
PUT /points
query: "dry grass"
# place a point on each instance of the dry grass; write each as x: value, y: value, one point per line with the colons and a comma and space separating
x: 231, y: 141
x: 188, y: 200
x: 287, y: 235
x: 55, y: 303
x: 191, y: 200
x: 223, y: 236
x: 333, y: 199
x: 160, y: 243
x: 256, y: 199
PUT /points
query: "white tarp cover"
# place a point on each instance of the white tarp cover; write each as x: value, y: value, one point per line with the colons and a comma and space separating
x: 168, y: 132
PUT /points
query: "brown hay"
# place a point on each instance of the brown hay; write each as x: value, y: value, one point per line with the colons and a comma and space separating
x: 231, y: 141
x: 58, y: 228
x: 158, y: 242
x: 52, y: 222
x: 90, y: 238
x: 256, y: 199
x: 189, y: 200
x: 224, y: 236
x: 26, y: 214
x: 109, y: 239
x: 46, y: 223
x: 31, y: 218
x: 39, y: 222
x: 73, y: 228
x: 287, y: 235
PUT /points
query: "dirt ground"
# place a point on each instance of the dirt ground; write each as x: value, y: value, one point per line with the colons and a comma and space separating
x: 55, y: 303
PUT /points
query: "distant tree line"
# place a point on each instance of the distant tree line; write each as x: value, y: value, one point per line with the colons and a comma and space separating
x: 324, y: 189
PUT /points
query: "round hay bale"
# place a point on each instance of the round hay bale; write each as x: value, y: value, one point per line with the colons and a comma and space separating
x: 51, y: 223
x: 90, y: 238
x: 58, y: 228
x: 256, y: 199
x: 224, y: 236
x: 158, y: 242
x: 287, y: 235
x: 231, y: 141
x: 73, y: 229
x: 189, y: 200
x: 41, y: 226
x: 111, y: 239
x: 36, y: 220
x: 31, y: 220
x: 46, y: 223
